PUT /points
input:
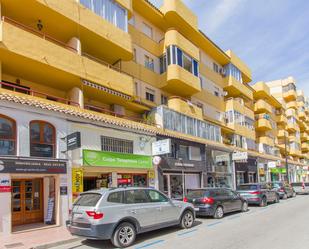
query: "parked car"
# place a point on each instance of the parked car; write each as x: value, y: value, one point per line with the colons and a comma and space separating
x: 258, y: 193
x: 284, y: 190
x: 120, y: 214
x: 301, y: 188
x: 215, y: 201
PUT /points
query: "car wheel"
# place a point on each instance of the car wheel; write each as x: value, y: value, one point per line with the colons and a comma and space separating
x: 277, y: 199
x: 124, y: 235
x: 244, y: 207
x: 219, y: 213
x: 187, y: 219
x: 263, y: 202
x: 285, y: 196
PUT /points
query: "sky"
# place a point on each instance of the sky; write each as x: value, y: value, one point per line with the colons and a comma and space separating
x: 270, y: 36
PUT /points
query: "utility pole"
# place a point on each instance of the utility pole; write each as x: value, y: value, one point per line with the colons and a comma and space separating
x: 286, y: 159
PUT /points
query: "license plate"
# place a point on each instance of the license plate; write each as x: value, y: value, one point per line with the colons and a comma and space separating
x: 197, y: 209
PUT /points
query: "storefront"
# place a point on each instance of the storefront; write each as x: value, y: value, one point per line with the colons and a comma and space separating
x: 278, y: 174
x: 34, y: 187
x: 246, y: 170
x: 219, y: 168
x: 102, y: 169
x: 182, y: 169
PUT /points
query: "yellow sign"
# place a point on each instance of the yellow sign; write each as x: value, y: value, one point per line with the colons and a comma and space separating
x: 261, y: 171
x: 151, y: 174
x: 77, y: 182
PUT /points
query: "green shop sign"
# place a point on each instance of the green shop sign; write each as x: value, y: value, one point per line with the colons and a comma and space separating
x: 278, y: 170
x: 113, y: 159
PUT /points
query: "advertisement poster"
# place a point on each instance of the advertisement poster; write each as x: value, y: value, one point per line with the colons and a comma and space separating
x: 77, y: 182
x: 5, y: 185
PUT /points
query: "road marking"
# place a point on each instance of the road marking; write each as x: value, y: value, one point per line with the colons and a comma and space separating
x: 150, y: 244
x: 187, y: 232
x: 213, y: 224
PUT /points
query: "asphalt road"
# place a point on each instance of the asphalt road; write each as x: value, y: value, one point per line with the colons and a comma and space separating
x: 278, y: 226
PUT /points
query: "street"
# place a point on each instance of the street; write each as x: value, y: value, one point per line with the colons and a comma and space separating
x: 277, y: 226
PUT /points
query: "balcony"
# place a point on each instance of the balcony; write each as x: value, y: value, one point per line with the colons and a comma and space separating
x: 294, y: 152
x: 261, y: 91
x: 281, y: 119
x: 179, y: 15
x: 263, y: 124
x: 291, y: 113
x: 290, y: 95
x: 210, y: 99
x: 305, y: 147
x: 292, y: 127
x: 261, y: 106
x: 76, y: 20
x: 242, y: 130
x: 185, y: 107
x: 291, y: 104
x: 238, y: 105
x: 36, y: 54
x: 302, y: 115
x: 282, y: 133
x: 173, y: 37
x: 180, y: 82
x: 236, y: 89
x: 304, y: 137
x: 266, y: 140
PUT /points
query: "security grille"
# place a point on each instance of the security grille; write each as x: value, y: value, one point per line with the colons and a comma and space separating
x: 116, y: 145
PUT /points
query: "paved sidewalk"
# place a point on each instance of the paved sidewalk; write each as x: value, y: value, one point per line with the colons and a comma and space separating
x: 36, y: 239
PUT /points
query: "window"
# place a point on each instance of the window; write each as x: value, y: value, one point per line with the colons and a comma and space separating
x: 135, y: 196
x: 163, y: 64
x: 110, y: 11
x: 240, y: 179
x: 147, y: 30
x: 176, y: 56
x: 150, y: 95
x: 251, y: 177
x: 88, y: 200
x: 195, y: 153
x: 116, y: 145
x: 7, y: 136
x: 231, y: 70
x: 136, y: 89
x: 116, y: 197
x: 42, y: 139
x: 200, y: 105
x: 155, y: 196
x: 183, y: 152
x: 215, y: 67
x: 134, y: 54
x: 164, y: 99
x: 149, y: 63
x: 132, y: 21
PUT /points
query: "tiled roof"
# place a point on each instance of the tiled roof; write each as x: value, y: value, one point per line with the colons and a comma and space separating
x: 49, y: 105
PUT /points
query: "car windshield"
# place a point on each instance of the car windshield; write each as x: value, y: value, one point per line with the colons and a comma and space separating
x: 197, y: 193
x: 247, y: 187
x: 88, y: 200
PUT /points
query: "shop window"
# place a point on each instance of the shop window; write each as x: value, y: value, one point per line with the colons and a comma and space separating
x: 251, y: 177
x: 116, y: 145
x: 7, y: 136
x: 240, y: 177
x: 42, y: 139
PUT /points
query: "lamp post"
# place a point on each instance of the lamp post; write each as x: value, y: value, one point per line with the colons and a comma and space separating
x: 286, y: 159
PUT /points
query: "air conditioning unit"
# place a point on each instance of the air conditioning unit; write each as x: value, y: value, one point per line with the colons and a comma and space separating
x: 222, y: 71
x: 118, y: 109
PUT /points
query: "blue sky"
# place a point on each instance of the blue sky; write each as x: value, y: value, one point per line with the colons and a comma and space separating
x: 271, y: 36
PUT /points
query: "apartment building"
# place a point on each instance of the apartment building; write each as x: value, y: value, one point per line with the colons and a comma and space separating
x: 294, y: 140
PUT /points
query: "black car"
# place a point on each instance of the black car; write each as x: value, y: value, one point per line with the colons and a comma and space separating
x: 215, y: 201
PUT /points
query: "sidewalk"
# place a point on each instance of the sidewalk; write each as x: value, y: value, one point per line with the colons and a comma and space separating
x: 36, y: 239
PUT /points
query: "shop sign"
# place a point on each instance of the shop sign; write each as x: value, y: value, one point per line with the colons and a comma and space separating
x: 272, y: 164
x: 113, y: 159
x: 278, y: 170
x: 222, y: 158
x: 261, y: 171
x: 238, y: 156
x: 25, y: 165
x: 73, y: 141
x: 63, y: 190
x: 156, y: 160
x: 77, y: 182
x: 161, y: 147
x: 183, y: 164
x: 5, y: 185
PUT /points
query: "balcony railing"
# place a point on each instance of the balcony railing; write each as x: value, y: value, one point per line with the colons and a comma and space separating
x: 28, y: 91
x: 59, y: 43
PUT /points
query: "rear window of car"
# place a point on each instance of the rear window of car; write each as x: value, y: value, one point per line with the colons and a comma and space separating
x: 116, y: 197
x: 88, y: 200
x: 277, y: 184
x: 299, y: 184
x: 197, y: 193
x: 247, y: 187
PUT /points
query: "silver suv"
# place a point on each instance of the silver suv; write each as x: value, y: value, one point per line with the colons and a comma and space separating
x: 119, y: 214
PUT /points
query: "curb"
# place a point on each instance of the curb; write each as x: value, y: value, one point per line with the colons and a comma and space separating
x: 57, y: 243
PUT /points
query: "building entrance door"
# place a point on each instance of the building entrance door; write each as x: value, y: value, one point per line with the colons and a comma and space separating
x: 27, y: 201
